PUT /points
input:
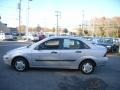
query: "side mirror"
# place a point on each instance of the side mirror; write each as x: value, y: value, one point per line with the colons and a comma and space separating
x: 39, y: 47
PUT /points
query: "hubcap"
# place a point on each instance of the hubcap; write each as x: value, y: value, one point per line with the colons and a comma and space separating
x: 87, y: 67
x: 20, y: 65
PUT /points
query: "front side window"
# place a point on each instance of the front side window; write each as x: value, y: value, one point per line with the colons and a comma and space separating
x: 50, y: 44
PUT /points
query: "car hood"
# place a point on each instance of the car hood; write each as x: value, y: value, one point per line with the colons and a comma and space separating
x: 20, y: 49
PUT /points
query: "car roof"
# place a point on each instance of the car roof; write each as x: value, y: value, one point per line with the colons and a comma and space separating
x: 69, y: 37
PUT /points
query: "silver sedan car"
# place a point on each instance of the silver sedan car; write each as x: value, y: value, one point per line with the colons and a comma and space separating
x: 58, y: 52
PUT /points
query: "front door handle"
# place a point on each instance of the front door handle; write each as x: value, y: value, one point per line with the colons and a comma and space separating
x: 78, y: 51
x: 53, y: 52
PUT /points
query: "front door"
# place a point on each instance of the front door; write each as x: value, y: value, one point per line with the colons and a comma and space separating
x: 48, y: 54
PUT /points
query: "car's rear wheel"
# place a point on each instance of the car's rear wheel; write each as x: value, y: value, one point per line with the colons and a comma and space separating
x: 87, y: 67
x: 20, y: 64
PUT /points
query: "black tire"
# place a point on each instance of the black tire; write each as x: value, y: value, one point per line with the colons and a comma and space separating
x: 88, y: 65
x: 20, y: 64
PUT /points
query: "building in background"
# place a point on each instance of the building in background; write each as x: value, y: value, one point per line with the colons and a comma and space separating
x: 13, y: 31
x: 4, y: 28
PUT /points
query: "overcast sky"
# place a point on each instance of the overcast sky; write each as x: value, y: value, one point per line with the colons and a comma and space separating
x: 42, y: 12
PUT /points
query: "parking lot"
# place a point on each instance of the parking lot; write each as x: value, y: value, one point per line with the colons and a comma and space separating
x: 104, y: 78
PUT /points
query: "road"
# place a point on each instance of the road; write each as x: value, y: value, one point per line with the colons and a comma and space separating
x: 104, y: 78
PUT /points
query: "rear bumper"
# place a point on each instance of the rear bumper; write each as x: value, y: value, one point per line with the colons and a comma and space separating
x: 102, y: 61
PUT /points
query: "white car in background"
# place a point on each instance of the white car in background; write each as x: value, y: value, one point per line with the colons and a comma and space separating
x: 2, y: 36
x: 58, y: 52
x: 6, y: 36
x: 31, y: 37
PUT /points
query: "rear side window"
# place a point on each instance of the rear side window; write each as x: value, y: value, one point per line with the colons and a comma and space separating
x: 74, y: 44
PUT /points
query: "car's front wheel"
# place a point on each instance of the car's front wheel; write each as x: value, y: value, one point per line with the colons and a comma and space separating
x: 20, y: 64
x: 87, y: 67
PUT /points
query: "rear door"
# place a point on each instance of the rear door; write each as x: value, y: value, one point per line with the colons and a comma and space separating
x: 71, y: 51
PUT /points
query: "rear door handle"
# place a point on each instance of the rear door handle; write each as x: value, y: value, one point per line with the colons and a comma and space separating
x: 78, y: 51
x: 53, y: 52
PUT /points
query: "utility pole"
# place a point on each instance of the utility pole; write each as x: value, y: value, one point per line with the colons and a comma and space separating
x: 27, y: 18
x: 58, y: 13
x: 83, y: 22
x: 19, y: 8
x: 0, y: 17
x: 93, y: 22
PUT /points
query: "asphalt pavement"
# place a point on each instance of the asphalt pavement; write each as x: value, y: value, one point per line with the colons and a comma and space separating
x: 104, y: 78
